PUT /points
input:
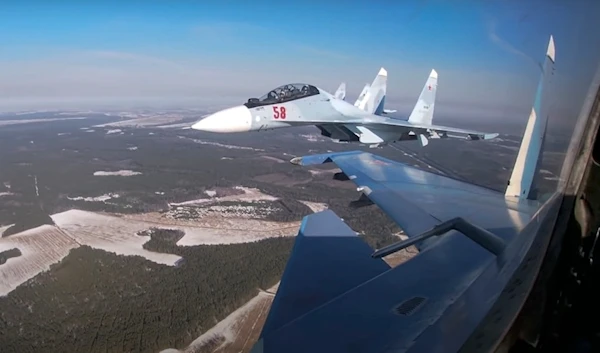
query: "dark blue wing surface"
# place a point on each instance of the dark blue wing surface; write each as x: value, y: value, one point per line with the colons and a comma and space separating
x: 327, y: 260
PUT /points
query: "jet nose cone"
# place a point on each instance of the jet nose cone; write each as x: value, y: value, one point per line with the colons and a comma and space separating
x: 236, y: 119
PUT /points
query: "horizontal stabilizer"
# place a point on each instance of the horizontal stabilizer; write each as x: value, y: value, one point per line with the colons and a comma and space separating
x: 327, y: 260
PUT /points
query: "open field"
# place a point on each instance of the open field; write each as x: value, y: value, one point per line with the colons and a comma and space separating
x: 46, y: 244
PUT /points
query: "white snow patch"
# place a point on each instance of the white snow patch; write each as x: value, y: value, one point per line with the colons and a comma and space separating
x: 250, y: 195
x: 116, y: 173
x: 312, y: 137
x: 63, y: 133
x: 113, y: 131
x: 175, y: 126
x: 37, y: 190
x: 6, y: 193
x: 210, y: 193
x: 315, y: 206
x: 29, y: 121
x: 315, y: 172
x: 224, y: 158
x: 275, y: 159
x: 90, y: 130
x: 234, y: 147
x: 132, y: 148
x: 544, y: 171
x: 143, y: 121
x: 101, y: 198
x: 159, y: 192
x: 109, y: 233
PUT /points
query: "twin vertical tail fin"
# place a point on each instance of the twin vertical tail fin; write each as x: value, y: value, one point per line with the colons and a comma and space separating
x: 360, y: 101
x: 522, y: 182
x: 373, y: 99
x: 423, y: 111
x: 341, y: 91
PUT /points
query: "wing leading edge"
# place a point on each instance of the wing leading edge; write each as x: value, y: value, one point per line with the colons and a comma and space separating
x: 418, y: 201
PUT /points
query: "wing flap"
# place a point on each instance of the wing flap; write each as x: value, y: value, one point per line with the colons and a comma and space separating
x: 327, y: 260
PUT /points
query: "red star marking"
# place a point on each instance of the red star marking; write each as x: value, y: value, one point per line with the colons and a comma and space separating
x: 429, y: 87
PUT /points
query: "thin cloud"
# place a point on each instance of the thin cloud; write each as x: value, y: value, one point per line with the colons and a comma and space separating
x: 492, y: 25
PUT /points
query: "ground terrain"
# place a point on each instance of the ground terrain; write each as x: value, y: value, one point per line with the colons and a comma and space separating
x: 127, y: 232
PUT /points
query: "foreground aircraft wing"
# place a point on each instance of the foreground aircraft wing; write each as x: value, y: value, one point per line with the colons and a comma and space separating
x: 334, y: 297
x: 418, y: 200
x: 328, y: 243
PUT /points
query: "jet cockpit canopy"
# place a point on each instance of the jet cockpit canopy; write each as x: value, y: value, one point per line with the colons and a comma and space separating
x: 285, y: 93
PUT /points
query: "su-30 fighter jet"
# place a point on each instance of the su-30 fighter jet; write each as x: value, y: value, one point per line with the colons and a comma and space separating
x: 304, y: 104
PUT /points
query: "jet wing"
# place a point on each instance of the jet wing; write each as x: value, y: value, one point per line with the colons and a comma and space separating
x: 375, y: 120
x: 419, y: 200
x: 327, y: 260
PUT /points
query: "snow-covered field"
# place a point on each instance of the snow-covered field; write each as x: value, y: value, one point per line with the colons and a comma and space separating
x: 40, y: 247
x: 315, y: 206
x: 101, y: 198
x: 214, y: 224
x: 274, y: 159
x: 116, y: 173
x: 250, y: 195
x: 109, y: 233
x: 218, y: 144
x: 30, y: 121
x: 316, y: 172
x: 143, y: 122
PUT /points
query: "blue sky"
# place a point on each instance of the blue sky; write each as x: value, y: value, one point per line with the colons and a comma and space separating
x: 193, y: 52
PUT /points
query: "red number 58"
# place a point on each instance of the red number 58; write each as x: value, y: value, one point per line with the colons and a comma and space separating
x: 279, y: 112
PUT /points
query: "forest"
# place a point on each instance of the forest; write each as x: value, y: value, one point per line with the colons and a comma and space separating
x: 7, y: 254
x: 95, y: 301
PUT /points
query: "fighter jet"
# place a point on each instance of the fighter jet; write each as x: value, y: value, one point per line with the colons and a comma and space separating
x: 380, y: 82
x: 299, y: 104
